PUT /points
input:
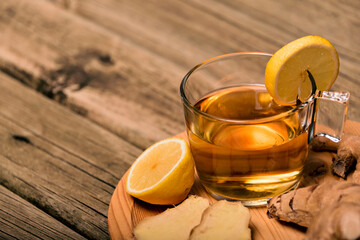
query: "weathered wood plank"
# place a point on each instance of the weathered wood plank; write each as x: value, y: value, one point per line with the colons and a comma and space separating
x: 235, y: 26
x: 21, y: 220
x: 59, y: 161
x: 105, y: 77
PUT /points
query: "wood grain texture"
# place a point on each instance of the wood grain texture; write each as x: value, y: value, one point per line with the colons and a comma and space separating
x: 125, y: 212
x: 21, y: 220
x: 100, y: 75
x: 117, y: 62
x: 188, y: 32
x: 58, y: 161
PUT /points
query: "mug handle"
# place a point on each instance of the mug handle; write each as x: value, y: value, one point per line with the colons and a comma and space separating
x: 330, y: 114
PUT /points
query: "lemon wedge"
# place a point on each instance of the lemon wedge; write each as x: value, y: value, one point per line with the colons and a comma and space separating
x: 163, y: 174
x: 286, y: 76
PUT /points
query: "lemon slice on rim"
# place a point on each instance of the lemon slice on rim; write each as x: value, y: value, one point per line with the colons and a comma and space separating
x: 163, y: 173
x: 286, y: 76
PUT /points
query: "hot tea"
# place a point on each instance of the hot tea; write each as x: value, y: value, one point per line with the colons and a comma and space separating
x: 251, y: 148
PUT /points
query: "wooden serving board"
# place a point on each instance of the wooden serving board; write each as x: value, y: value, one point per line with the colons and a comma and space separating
x: 125, y: 212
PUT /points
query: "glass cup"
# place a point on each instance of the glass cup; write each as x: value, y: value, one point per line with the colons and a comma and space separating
x: 245, y: 146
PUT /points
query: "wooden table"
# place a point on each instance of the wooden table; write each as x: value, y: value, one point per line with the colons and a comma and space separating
x: 86, y: 86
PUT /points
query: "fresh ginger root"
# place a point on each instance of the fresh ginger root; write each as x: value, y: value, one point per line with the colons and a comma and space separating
x: 341, y: 221
x: 174, y: 223
x: 347, y: 158
x: 223, y: 220
x: 330, y: 210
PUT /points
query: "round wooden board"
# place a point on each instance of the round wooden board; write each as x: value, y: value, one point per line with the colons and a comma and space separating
x: 125, y: 212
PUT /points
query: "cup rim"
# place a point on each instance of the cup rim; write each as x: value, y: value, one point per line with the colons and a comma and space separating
x: 187, y: 103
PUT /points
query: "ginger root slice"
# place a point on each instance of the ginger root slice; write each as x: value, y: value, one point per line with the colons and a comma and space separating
x: 311, y: 206
x: 223, y: 220
x: 174, y: 223
x: 194, y: 219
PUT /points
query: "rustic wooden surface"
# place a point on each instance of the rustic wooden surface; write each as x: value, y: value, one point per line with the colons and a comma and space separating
x: 110, y: 72
x: 22, y: 220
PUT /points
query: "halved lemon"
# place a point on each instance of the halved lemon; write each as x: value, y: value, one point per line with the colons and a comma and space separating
x: 163, y: 173
x: 286, y: 76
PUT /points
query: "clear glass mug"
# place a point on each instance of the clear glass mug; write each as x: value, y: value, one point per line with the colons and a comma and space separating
x: 245, y: 146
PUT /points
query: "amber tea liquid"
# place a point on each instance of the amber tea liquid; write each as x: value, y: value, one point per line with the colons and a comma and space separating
x: 250, y: 161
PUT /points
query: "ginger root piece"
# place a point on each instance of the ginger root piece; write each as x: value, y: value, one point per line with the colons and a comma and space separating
x: 341, y: 221
x: 321, y: 143
x: 348, y: 154
x: 317, y: 169
x: 174, y: 223
x: 223, y: 220
x: 324, y: 208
